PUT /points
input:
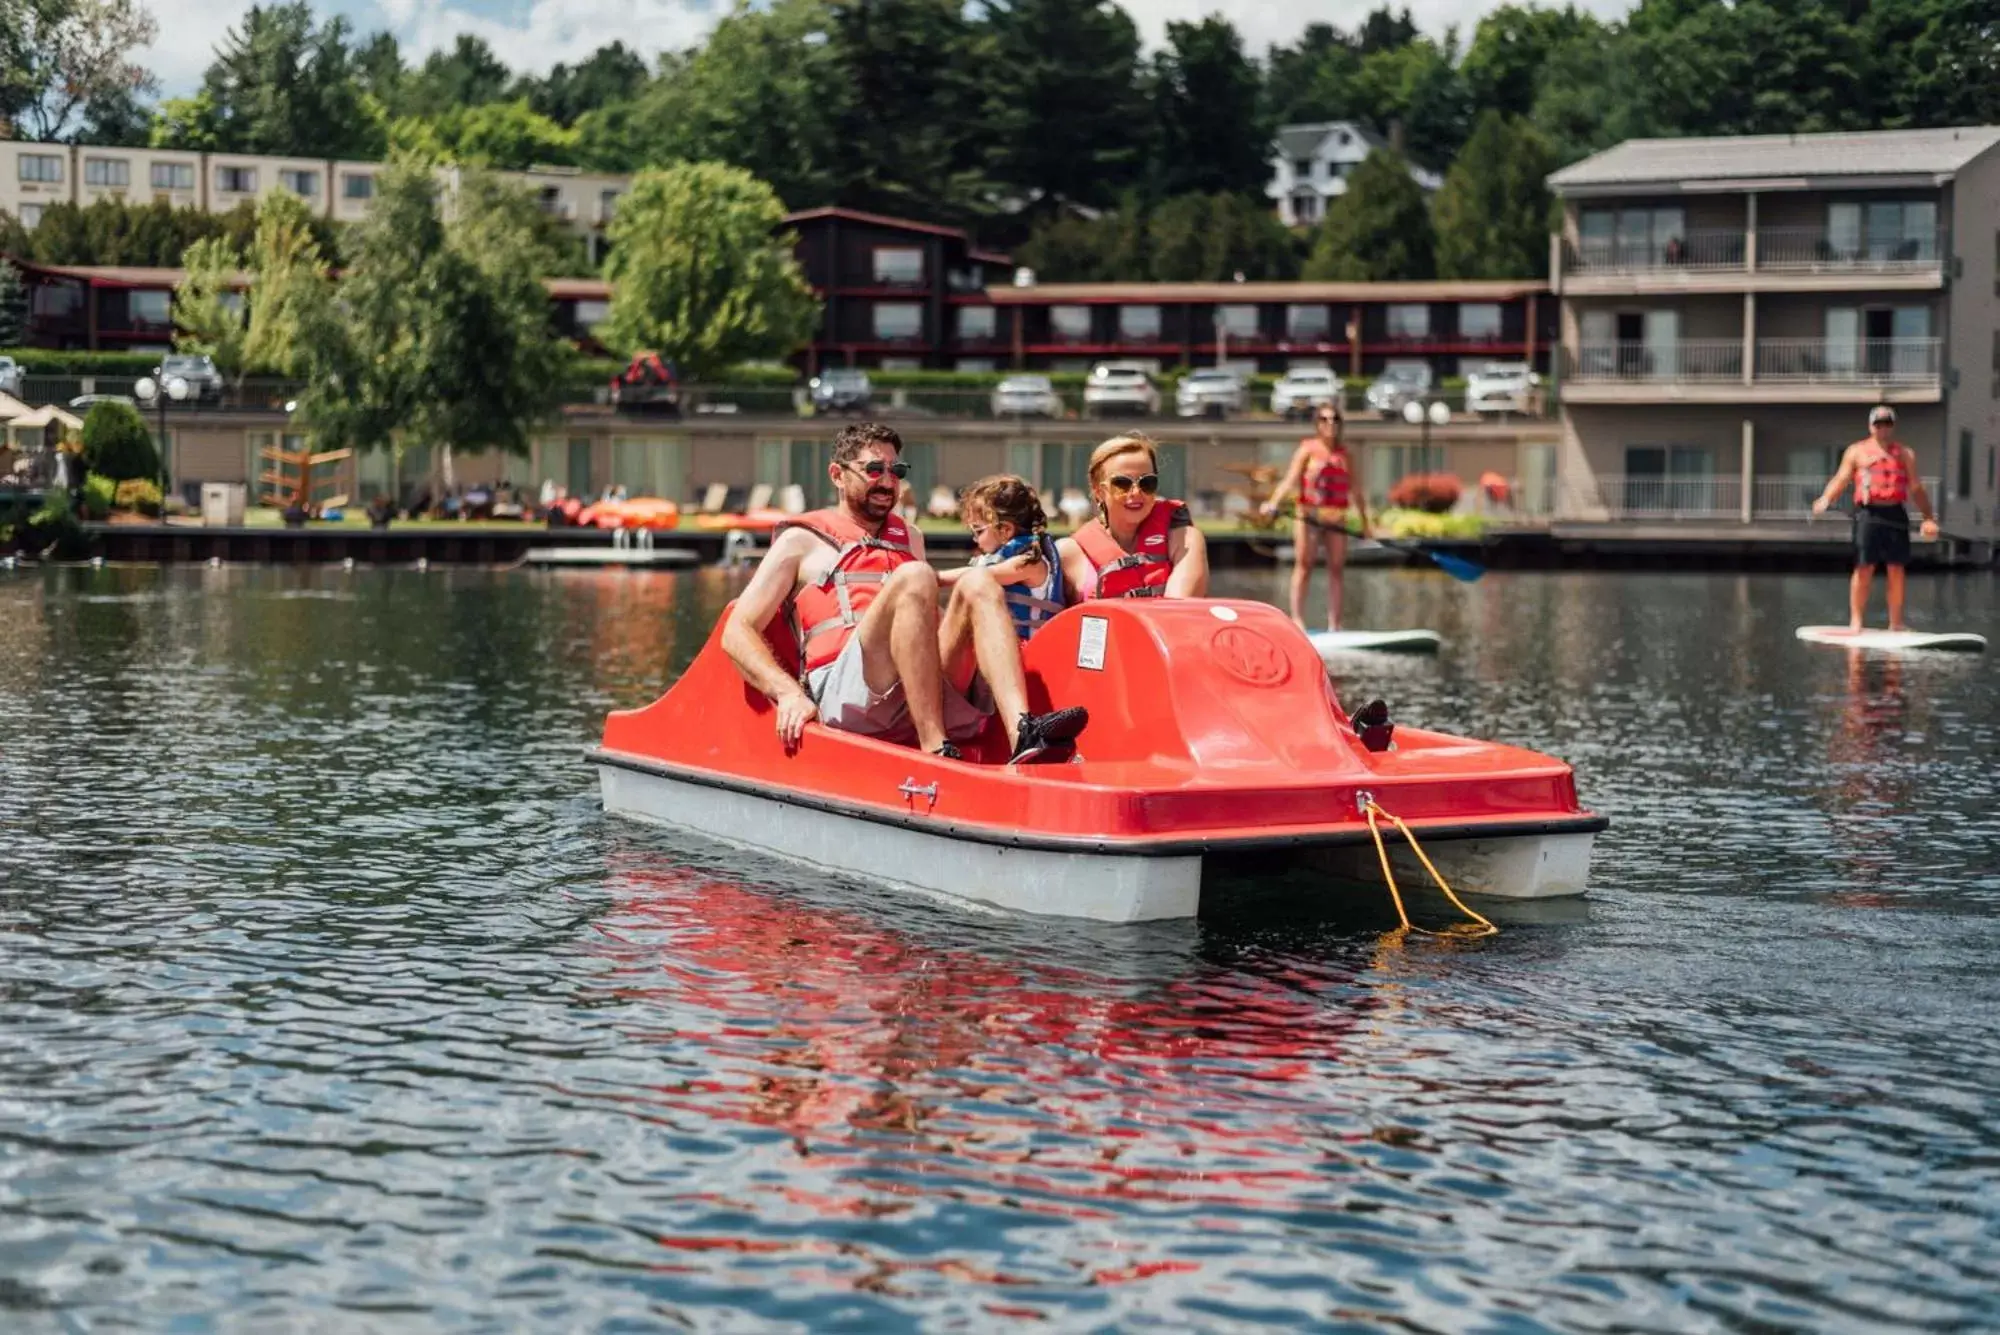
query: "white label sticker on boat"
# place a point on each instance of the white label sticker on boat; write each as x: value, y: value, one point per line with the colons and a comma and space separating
x: 1090, y: 643
x: 1223, y: 613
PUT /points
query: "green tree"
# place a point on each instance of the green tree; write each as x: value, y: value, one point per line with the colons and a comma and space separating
x: 1937, y: 61
x: 281, y: 83
x: 1213, y: 238
x: 1379, y: 230
x: 13, y: 306
x: 1417, y: 86
x: 1313, y: 79
x: 59, y: 57
x: 464, y: 76
x: 1511, y: 48
x: 1493, y: 213
x: 611, y: 74
x: 508, y: 135
x: 907, y: 124
x: 1064, y: 102
x: 701, y: 273
x: 208, y: 306
x: 189, y: 123
x: 291, y: 292
x: 116, y: 443
x: 1214, y: 134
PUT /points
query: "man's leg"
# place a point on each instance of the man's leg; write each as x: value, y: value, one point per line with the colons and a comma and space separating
x: 1303, y: 537
x: 1896, y: 573
x: 899, y: 642
x: 1336, y: 568
x: 978, y: 629
x: 1857, y: 595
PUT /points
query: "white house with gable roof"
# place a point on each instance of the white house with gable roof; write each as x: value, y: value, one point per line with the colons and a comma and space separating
x: 1310, y: 165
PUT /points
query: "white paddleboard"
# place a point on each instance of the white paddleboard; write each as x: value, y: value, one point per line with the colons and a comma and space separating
x: 1331, y: 643
x: 1894, y: 641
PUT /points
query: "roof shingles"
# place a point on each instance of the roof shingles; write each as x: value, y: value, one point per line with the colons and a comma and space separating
x: 1753, y: 157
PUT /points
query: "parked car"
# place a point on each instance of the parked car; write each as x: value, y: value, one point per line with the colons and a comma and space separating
x: 11, y: 376
x: 1399, y: 383
x: 1121, y: 387
x: 1026, y: 396
x: 83, y: 403
x: 1501, y: 387
x: 647, y: 385
x: 1304, y: 388
x: 1212, y: 391
x: 204, y: 382
x: 841, y: 389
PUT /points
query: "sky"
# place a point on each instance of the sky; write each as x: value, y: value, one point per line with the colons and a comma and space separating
x: 532, y: 35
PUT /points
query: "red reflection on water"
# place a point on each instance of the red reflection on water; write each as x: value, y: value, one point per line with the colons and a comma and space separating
x: 1874, y: 783
x: 903, y: 1068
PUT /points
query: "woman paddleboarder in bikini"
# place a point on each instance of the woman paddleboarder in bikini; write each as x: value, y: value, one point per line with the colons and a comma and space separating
x: 1322, y: 472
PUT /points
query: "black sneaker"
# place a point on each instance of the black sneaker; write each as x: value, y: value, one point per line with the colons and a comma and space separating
x: 1371, y: 723
x: 948, y: 751
x: 1042, y: 734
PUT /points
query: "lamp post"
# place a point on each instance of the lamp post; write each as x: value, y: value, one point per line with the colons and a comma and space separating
x: 1437, y: 413
x: 158, y: 392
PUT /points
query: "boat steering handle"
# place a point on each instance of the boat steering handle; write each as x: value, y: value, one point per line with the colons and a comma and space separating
x: 912, y: 790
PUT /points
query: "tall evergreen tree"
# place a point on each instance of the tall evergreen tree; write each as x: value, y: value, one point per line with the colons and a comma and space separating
x: 465, y: 76
x: 282, y: 83
x: 1379, y: 230
x: 13, y: 306
x: 1511, y: 48
x: 612, y: 73
x: 1313, y: 79
x: 907, y: 127
x: 1214, y: 134
x: 1068, y: 116
x: 1492, y: 216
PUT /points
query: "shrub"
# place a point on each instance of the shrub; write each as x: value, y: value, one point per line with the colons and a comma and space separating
x: 117, y: 444
x: 1433, y: 493
x: 138, y: 493
x: 100, y: 493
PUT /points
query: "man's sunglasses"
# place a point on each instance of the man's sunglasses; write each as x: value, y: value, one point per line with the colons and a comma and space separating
x: 1327, y: 418
x: 875, y: 468
x: 1149, y: 483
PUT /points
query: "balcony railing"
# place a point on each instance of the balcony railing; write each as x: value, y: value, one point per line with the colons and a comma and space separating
x: 1874, y: 361
x: 1779, y: 361
x: 1782, y: 497
x: 1697, y: 251
x: 1814, y: 249
x: 1693, y: 360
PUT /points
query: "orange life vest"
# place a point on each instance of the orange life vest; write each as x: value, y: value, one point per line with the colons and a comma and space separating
x: 1327, y: 479
x: 825, y: 614
x: 1882, y: 478
x: 1140, y: 573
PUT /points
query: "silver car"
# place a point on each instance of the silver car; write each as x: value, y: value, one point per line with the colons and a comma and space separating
x: 1304, y: 388
x: 1212, y: 391
x: 1026, y: 396
x: 1399, y: 383
x: 1121, y: 387
x: 1501, y: 387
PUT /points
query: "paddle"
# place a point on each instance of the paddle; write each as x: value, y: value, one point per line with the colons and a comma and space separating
x: 1461, y: 568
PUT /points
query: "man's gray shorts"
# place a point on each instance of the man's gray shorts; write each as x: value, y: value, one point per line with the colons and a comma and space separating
x: 840, y: 689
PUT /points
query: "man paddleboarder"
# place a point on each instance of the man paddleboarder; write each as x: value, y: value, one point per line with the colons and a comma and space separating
x: 1884, y: 473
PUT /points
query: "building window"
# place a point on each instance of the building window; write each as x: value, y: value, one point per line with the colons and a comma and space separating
x: 1303, y: 169
x: 1883, y: 230
x: 972, y: 364
x: 173, y: 176
x: 1236, y: 321
x: 607, y: 205
x: 113, y: 173
x: 977, y: 322
x: 899, y: 266
x: 1071, y: 324
x: 902, y: 364
x: 30, y: 216
x: 236, y: 180
x: 1479, y: 321
x: 149, y: 308
x: 1306, y: 322
x: 54, y: 301
x: 896, y: 321
x: 303, y: 184
x: 1139, y: 324
x: 1410, y: 321
x: 43, y: 167
x: 1305, y: 207
x: 357, y: 185
x: 591, y: 312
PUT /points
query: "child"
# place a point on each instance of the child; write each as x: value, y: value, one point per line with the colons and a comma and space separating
x: 1010, y: 530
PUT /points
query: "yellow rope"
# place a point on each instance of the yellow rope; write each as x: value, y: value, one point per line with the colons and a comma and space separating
x: 1371, y: 809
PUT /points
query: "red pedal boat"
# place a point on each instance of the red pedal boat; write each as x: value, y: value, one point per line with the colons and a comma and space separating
x: 1213, y: 733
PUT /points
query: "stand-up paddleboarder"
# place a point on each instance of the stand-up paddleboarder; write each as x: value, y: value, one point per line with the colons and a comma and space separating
x: 1884, y: 473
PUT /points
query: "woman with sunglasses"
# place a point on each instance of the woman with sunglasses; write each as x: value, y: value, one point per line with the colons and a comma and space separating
x: 1322, y: 473
x: 1139, y: 545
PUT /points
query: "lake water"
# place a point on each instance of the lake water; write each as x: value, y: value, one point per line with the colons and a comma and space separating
x: 330, y: 1000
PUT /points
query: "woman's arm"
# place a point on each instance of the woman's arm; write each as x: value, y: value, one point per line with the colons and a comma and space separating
x: 1189, y: 550
x: 1294, y: 472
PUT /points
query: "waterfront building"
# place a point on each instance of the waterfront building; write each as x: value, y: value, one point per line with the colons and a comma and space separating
x: 1310, y: 165
x: 1730, y: 308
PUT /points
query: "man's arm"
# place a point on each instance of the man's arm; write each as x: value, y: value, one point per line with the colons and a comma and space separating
x: 1190, y: 573
x: 1841, y: 477
x: 743, y: 638
x: 1919, y: 495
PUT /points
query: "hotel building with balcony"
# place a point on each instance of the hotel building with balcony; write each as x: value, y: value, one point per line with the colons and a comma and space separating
x: 1730, y: 309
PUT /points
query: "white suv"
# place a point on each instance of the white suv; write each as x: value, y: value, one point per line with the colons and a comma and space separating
x: 1501, y: 387
x: 1304, y: 388
x: 1121, y: 387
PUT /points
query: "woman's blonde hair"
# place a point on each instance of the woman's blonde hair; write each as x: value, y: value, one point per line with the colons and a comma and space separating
x: 1117, y: 445
x: 1007, y: 499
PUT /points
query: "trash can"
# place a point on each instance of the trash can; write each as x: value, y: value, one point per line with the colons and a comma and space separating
x: 222, y: 504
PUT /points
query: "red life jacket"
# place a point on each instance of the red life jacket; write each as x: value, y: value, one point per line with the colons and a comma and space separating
x: 1882, y: 478
x: 1141, y: 573
x: 825, y: 614
x: 1327, y: 480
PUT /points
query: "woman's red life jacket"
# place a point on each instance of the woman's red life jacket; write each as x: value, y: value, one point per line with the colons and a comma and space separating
x: 1327, y: 480
x: 1882, y: 478
x: 825, y: 614
x: 1140, y: 573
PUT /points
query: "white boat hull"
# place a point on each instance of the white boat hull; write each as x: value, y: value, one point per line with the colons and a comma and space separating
x: 1102, y: 887
x: 1893, y: 641
x: 1335, y: 643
